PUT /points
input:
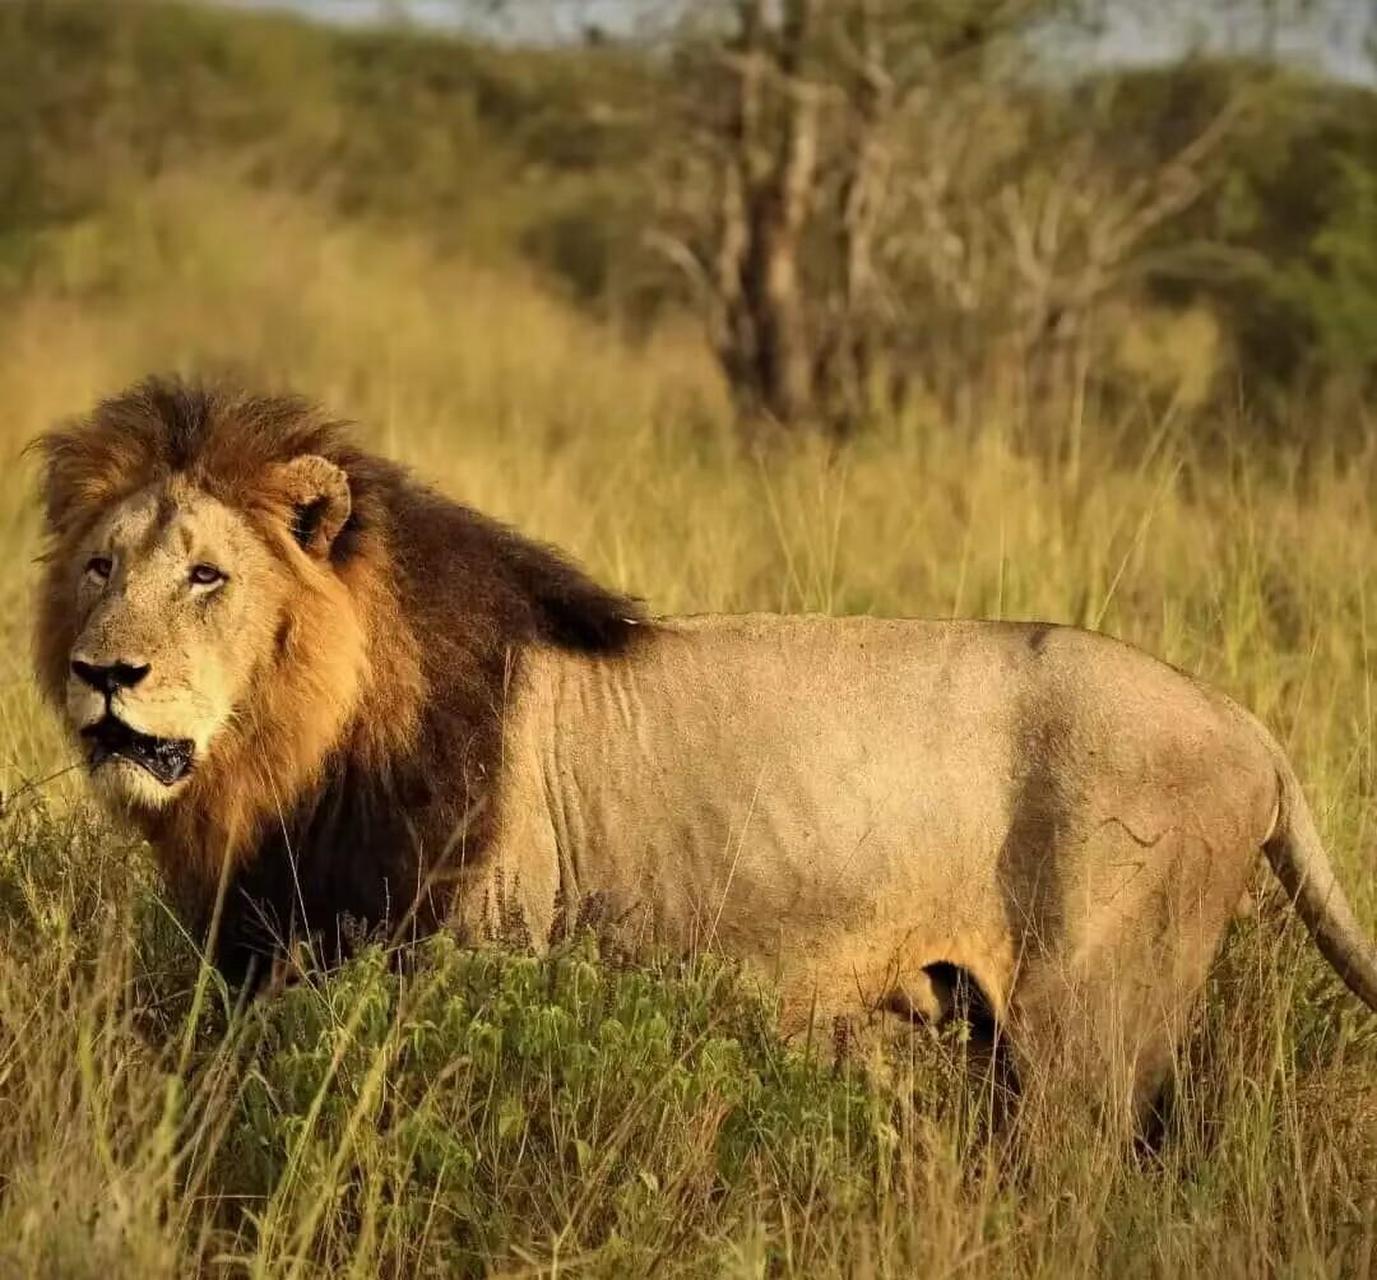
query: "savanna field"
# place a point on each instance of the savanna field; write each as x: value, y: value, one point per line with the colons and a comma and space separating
x: 590, y: 1114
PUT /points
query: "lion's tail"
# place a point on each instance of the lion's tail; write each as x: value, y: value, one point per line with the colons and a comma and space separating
x: 1297, y: 856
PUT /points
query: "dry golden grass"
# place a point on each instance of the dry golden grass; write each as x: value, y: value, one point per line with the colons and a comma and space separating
x: 130, y: 1139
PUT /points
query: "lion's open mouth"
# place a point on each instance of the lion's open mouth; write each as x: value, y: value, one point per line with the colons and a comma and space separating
x: 167, y: 759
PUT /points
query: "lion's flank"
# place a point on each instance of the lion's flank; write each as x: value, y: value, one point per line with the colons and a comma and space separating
x: 328, y: 815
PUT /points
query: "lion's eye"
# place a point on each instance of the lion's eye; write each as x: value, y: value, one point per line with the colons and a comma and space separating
x: 206, y: 575
x: 99, y: 567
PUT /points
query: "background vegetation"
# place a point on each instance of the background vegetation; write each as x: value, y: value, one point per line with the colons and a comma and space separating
x: 463, y: 247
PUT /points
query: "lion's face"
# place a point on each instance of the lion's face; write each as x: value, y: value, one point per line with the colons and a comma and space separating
x: 174, y: 597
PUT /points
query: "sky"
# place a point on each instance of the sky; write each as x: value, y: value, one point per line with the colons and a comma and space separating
x: 549, y: 21
x: 1336, y: 36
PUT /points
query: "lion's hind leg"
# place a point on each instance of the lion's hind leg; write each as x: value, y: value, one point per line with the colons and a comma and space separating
x: 1091, y: 1049
x: 1098, y: 1029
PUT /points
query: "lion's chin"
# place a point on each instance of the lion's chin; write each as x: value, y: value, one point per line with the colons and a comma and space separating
x: 124, y: 785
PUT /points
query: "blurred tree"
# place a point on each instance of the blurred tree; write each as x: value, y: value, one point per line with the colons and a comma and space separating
x: 1281, y: 247
x: 863, y: 192
x: 870, y: 202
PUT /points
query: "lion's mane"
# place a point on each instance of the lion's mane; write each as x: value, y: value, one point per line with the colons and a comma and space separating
x: 372, y: 826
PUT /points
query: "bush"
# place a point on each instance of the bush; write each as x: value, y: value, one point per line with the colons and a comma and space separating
x: 481, y: 1105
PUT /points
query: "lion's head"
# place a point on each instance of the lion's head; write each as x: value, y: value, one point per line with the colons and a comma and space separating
x: 203, y: 621
x: 174, y: 600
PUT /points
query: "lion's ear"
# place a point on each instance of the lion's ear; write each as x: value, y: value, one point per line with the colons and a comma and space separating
x: 318, y: 492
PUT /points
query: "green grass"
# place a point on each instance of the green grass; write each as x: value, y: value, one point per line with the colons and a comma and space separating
x: 584, y: 1114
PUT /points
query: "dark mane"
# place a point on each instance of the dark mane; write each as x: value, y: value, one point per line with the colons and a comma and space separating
x: 457, y: 596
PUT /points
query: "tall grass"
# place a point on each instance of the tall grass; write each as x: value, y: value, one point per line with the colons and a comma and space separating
x: 579, y: 1114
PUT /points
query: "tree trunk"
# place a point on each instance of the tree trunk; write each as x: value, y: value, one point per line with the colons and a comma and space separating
x: 768, y: 195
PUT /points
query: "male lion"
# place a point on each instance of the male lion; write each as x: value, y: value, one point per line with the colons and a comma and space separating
x: 336, y: 700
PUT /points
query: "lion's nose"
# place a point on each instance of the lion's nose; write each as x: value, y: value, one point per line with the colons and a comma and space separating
x: 107, y: 679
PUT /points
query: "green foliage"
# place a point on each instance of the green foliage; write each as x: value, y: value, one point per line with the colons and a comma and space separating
x: 1335, y: 284
x: 1281, y: 246
x: 484, y: 1101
